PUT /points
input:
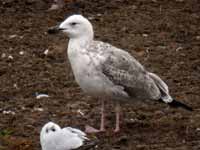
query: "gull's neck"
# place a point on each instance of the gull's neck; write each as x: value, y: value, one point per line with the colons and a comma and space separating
x: 80, y: 42
x: 84, y: 39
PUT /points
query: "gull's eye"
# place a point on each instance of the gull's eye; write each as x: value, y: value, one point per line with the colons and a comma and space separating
x: 73, y: 23
x: 53, y: 129
x: 47, y: 130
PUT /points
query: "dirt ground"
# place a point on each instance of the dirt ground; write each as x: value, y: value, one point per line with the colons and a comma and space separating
x: 163, y: 34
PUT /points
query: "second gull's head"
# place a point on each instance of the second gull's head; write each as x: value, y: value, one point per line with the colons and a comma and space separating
x: 49, y: 128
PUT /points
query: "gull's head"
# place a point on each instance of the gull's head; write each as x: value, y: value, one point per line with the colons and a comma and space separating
x: 49, y: 128
x: 47, y: 132
x: 76, y: 26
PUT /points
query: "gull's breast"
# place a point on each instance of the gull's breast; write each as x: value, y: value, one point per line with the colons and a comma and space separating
x: 86, y: 73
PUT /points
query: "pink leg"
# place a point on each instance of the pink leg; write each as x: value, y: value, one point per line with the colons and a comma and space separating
x: 89, y: 129
x: 102, y: 127
x: 117, y: 109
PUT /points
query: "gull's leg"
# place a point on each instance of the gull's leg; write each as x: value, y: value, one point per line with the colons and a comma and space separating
x: 117, y: 110
x: 89, y: 129
x: 102, y: 126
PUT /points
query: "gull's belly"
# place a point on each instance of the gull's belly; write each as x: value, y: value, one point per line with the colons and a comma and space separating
x: 86, y: 75
x: 91, y: 84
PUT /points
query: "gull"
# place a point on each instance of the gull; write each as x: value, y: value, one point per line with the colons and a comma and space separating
x: 107, y: 72
x: 52, y: 137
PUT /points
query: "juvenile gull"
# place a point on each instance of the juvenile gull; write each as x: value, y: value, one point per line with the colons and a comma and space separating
x: 52, y: 137
x: 107, y: 72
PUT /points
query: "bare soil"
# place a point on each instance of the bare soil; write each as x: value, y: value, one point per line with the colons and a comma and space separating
x: 163, y: 35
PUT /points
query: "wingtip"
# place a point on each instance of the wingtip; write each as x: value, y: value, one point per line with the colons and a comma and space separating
x: 176, y: 104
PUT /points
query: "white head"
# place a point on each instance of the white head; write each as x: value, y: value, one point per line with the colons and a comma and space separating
x: 77, y: 26
x: 49, y: 128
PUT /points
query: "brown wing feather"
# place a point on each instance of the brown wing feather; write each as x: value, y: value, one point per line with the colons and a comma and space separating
x: 124, y: 70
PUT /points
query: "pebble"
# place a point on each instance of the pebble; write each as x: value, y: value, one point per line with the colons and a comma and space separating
x: 99, y: 15
x: 197, y: 129
x: 15, y: 85
x: 3, y: 55
x: 198, y: 37
x: 23, y: 108
x: 38, y: 109
x: 91, y: 18
x: 10, y: 57
x: 179, y: 48
x: 21, y: 52
x: 6, y: 112
x: 12, y: 36
x: 80, y: 112
x: 134, y: 7
x: 46, y: 52
x: 39, y: 96
x: 145, y: 35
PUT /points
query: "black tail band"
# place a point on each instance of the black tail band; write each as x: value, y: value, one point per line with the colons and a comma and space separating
x: 177, y: 104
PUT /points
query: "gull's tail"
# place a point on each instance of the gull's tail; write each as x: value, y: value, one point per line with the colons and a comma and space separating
x: 89, y: 145
x: 177, y: 104
x: 78, y: 132
x: 165, y: 96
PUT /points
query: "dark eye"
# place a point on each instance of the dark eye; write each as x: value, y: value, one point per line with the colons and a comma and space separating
x: 73, y: 23
x: 53, y: 129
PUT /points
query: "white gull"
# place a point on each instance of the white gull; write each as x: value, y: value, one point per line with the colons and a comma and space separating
x: 107, y: 72
x: 52, y: 137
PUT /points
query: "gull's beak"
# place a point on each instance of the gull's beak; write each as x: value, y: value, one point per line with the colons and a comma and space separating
x: 55, y: 29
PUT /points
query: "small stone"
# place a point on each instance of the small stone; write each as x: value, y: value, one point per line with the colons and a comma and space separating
x: 39, y: 96
x: 12, y: 36
x: 38, y: 109
x: 91, y: 18
x: 8, y: 112
x: 46, y: 52
x: 198, y: 37
x: 99, y: 15
x: 179, y: 48
x: 21, y: 52
x: 23, y: 108
x: 197, y: 129
x: 145, y: 35
x: 10, y: 57
x: 3, y: 55
x: 15, y: 86
x: 134, y: 7
x: 80, y: 112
